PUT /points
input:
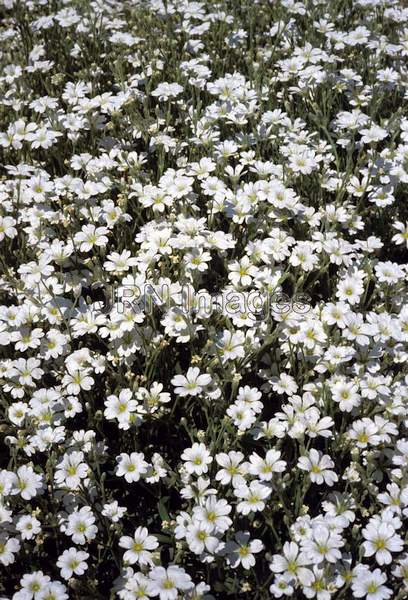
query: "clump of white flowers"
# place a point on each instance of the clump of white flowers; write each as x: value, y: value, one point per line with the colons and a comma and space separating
x: 203, y: 299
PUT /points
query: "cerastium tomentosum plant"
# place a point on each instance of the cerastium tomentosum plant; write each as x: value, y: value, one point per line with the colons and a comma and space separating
x: 203, y: 299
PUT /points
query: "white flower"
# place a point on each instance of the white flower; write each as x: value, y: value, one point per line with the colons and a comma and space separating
x: 27, y: 482
x: 121, y: 408
x: 119, y: 263
x: 132, y: 466
x: 364, y: 432
x: 282, y: 586
x: 54, y: 590
x: 242, y: 272
x: 213, y: 513
x: 197, y: 260
x: 77, y: 379
x: 91, y: 236
x: 251, y: 397
x: 166, y: 583
x: 33, y: 584
x: 165, y: 90
x: 7, y: 227
x: 71, y: 470
x: 72, y: 562
x: 199, y: 538
x: 230, y: 345
x: 318, y: 585
x: 113, y: 511
x: 253, y: 497
x: 242, y: 550
x: 138, y: 547
x: 265, y: 467
x: 402, y: 237
x: 242, y: 415
x: 346, y: 394
x: 388, y: 272
x: 196, y: 459
x: 381, y: 540
x: 152, y: 398
x: 81, y: 526
x: 191, y: 384
x: 370, y: 585
x: 9, y: 546
x: 26, y: 370
x: 323, y: 545
x: 303, y: 256
x: 293, y: 563
x: 28, y: 526
x: 319, y: 467
x: 373, y: 134
x: 233, y: 470
x: 43, y: 138
x: 350, y: 289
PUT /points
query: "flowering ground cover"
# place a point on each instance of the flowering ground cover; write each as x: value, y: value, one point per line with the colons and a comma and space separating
x: 203, y: 299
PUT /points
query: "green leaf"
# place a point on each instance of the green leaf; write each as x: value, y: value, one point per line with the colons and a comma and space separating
x: 161, y: 505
